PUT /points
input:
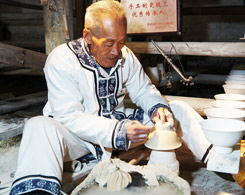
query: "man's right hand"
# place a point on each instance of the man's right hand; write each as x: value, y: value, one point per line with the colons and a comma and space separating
x: 137, y: 132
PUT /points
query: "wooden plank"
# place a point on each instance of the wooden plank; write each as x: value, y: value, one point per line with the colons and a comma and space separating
x: 198, y: 104
x: 26, y: 44
x: 22, y: 102
x: 11, y: 127
x: 240, y: 177
x: 217, y: 49
x: 21, y: 57
x: 18, y: 4
x: 19, y: 19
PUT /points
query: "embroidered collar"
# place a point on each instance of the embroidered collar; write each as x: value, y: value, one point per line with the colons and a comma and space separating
x: 81, y: 48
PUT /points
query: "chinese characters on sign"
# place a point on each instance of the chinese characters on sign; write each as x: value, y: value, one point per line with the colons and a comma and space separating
x: 151, y: 16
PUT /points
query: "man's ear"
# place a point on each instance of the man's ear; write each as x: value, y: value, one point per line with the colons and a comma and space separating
x: 87, y: 35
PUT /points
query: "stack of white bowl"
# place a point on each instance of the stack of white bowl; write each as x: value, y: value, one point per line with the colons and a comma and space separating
x: 225, y: 126
x: 234, y: 87
x: 227, y: 106
x: 235, y: 82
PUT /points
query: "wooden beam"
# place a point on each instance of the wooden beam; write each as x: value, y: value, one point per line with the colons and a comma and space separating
x: 27, y: 44
x: 21, y: 57
x: 22, y: 102
x: 20, y: 19
x: 216, y: 49
x: 31, y: 59
x: 18, y: 4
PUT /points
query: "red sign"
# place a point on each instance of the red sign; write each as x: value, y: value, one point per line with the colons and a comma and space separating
x: 151, y: 16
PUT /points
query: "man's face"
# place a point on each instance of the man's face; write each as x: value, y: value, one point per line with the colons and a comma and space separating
x: 106, y: 46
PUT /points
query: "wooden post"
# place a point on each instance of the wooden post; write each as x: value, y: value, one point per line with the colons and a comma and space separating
x: 58, y: 25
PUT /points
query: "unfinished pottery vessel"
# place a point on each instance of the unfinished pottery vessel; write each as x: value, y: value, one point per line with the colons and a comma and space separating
x: 163, y: 138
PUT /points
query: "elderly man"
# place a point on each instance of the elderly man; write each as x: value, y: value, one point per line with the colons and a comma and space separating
x: 87, y: 79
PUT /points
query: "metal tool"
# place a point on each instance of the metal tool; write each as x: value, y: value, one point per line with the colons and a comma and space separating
x: 183, y: 78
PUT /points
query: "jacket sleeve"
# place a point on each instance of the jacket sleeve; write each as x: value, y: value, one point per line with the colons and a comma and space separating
x: 141, y: 91
x: 65, y: 100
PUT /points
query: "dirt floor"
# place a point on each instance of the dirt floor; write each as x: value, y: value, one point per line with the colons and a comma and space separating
x: 203, y: 181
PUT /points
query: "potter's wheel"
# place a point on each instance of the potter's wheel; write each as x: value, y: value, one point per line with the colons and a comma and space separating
x: 153, y: 175
x: 164, y: 188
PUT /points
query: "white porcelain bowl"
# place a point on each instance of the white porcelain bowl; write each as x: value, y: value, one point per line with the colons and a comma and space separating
x: 228, y: 113
x: 232, y: 97
x: 234, y: 89
x: 163, y: 138
x: 224, y: 134
x: 228, y: 104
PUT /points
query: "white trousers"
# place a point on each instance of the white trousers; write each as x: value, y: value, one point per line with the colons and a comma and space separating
x: 46, y: 144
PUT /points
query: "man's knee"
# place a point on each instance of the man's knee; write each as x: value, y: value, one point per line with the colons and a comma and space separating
x: 38, y: 124
x: 178, y: 103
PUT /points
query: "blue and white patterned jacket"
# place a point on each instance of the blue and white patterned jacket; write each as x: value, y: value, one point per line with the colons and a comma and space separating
x: 89, y: 101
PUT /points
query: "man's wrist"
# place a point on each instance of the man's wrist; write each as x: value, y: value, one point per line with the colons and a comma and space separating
x: 119, y: 139
x: 154, y: 109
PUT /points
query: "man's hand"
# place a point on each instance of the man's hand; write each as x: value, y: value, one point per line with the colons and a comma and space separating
x: 137, y: 132
x: 162, y: 115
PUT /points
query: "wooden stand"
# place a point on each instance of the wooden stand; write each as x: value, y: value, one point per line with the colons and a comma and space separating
x: 240, y: 177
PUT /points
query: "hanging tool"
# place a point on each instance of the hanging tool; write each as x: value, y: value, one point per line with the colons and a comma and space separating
x: 183, y: 79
